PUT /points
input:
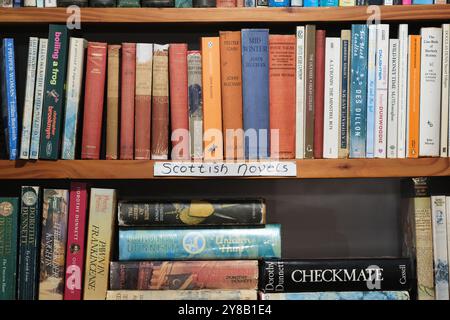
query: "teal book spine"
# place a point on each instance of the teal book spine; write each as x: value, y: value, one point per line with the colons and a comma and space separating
x: 358, y: 91
x: 200, y: 244
x: 8, y: 247
x: 371, y: 90
x: 183, y: 3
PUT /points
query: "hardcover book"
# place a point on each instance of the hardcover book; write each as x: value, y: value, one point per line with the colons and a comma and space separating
x: 296, y: 3
x: 262, y: 3
x: 393, y: 101
x: 225, y: 3
x: 279, y: 3
x: 112, y: 103
x: 300, y: 94
x: 445, y: 90
x: 249, y: 3
x: 158, y: 3
x: 310, y: 71
x: 319, y: 82
x: 67, y: 3
x: 183, y: 3
x: 128, y: 3
x: 344, y: 113
x: 413, y: 122
x: 311, y: 3
x: 195, y: 101
x: 204, y: 3
x: 181, y: 295
x: 200, y: 244
x: 337, y: 295
x: 371, y: 90
x: 102, y: 3
x: 347, y: 3
x: 9, y: 208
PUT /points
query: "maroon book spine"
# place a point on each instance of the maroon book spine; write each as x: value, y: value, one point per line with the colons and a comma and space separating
x: 319, y: 94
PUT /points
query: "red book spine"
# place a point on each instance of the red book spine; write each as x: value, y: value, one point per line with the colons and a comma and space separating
x: 319, y: 94
x: 75, y: 241
x: 93, y: 100
x: 179, y: 118
x: 225, y: 3
x: 127, y: 101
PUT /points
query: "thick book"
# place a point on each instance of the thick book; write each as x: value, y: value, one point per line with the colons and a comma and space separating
x: 74, y: 85
x: 76, y: 230
x: 337, y: 295
x: 184, y: 275
x: 27, y: 114
x: 319, y: 94
x: 9, y: 97
x: 300, y: 93
x: 143, y: 101
x: 181, y: 295
x: 195, y: 101
x: 344, y: 112
x: 393, y: 101
x: 29, y: 240
x: 192, y: 212
x: 200, y: 244
x: 102, y: 3
x: 413, y: 121
x: 255, y: 92
x: 9, y: 208
x: 231, y: 92
x: 179, y: 111
x: 102, y: 208
x: 371, y: 90
x: 160, y: 102
x: 53, y: 244
x: 183, y: 3
x: 445, y: 87
x: 310, y: 67
x: 403, y: 54
x: 127, y: 107
x: 112, y: 102
x: 55, y: 78
x: 282, y: 96
x: 336, y: 275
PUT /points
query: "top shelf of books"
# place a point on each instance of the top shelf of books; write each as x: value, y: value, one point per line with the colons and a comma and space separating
x: 216, y: 15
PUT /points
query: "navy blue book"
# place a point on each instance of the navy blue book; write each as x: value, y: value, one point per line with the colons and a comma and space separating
x: 255, y: 91
x: 18, y: 3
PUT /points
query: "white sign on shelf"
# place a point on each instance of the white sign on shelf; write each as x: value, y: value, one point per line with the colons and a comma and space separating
x: 225, y: 169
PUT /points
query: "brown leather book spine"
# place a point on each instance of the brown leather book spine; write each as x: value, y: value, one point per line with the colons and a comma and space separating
x: 226, y: 3
x: 179, y: 112
x: 282, y: 95
x: 310, y: 67
x: 93, y: 100
x: 127, y: 100
x: 319, y: 94
x: 112, y: 114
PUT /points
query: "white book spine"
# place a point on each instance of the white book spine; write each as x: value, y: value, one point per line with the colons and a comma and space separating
x: 392, y: 122
x: 29, y: 3
x: 29, y: 98
x: 332, y: 97
x: 445, y: 89
x: 50, y: 3
x: 447, y: 217
x: 38, y: 99
x: 300, y: 94
x: 402, y: 89
x: 388, y: 2
x: 440, y: 251
x: 381, y: 97
x: 430, y: 92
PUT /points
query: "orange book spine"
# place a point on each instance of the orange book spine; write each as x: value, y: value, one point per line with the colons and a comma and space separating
x: 231, y: 73
x: 212, y: 101
x: 414, y: 96
x: 282, y: 95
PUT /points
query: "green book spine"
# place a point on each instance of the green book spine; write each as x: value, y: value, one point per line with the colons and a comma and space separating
x: 183, y: 3
x: 53, y: 92
x: 8, y: 247
x: 128, y: 3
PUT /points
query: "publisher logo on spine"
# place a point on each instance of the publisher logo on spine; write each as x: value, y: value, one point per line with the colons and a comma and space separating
x: 6, y: 209
x: 194, y: 242
x: 29, y: 198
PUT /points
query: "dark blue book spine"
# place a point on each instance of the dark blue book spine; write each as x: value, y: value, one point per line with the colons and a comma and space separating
x: 9, y: 98
x: 255, y: 91
x: 18, y: 3
x: 358, y: 91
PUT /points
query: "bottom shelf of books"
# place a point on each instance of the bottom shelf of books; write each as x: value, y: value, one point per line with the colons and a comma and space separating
x: 373, y: 239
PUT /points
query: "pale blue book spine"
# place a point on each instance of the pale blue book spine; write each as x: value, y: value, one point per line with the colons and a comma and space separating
x: 296, y: 3
x: 371, y: 90
x: 40, y: 3
x: 332, y: 295
x: 200, y: 244
x: 279, y: 3
x: 423, y: 2
x: 250, y: 3
x: 358, y: 91
x: 329, y: 3
x: 311, y: 3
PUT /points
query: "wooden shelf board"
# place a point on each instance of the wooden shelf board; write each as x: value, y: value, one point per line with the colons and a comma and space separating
x: 217, y: 15
x: 143, y: 169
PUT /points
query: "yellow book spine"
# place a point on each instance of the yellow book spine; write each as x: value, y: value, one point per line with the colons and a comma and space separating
x: 414, y: 96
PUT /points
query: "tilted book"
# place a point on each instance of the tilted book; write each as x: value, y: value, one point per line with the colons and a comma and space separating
x: 371, y: 90
x: 112, y: 103
x: 200, y: 244
x: 344, y: 112
x: 182, y: 295
x: 310, y: 70
x: 403, y: 54
x: 393, y: 99
x: 195, y: 100
x: 300, y: 94
x: 337, y: 295
x: 445, y: 90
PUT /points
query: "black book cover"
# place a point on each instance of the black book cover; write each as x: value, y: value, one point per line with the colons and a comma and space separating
x: 158, y: 3
x: 399, y: 2
x: 102, y: 3
x: 66, y: 3
x: 203, y: 3
x: 384, y: 274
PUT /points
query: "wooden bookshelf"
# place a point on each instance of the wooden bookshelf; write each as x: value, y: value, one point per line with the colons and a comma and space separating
x: 143, y: 169
x: 220, y: 15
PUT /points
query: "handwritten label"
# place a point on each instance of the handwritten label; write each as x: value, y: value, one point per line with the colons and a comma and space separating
x: 225, y: 169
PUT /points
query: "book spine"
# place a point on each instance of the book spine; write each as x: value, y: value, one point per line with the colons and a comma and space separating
x: 381, y: 99
x: 29, y: 3
x: 9, y: 101
x: 55, y: 77
x: 99, y: 243
x: 53, y: 244
x: 371, y: 90
x: 337, y: 295
x: 439, y: 217
x: 195, y: 101
x: 430, y: 92
x: 68, y: 3
x: 192, y: 213
x: 128, y: 3
x: 335, y: 275
x: 310, y: 70
x: 8, y: 249
x: 296, y: 3
x: 30, y: 219
x: 413, y: 122
x: 388, y: 2
x: 331, y: 98
x: 184, y: 275
x: 231, y: 91
x: 204, y: 3
x: 445, y: 90
x: 179, y: 114
x: 112, y: 107
x: 329, y: 3
x: 183, y: 3
x: 447, y: 217
x: 50, y: 3
x: 74, y: 85
x: 319, y: 94
x: 402, y: 89
x: 262, y: 3
x: 225, y: 3
x: 106, y: 3
x: 143, y: 101
x: 181, y: 295
x: 38, y: 99
x: 29, y: 95
x: 300, y: 94
x: 406, y: 2
x: 128, y: 83
x: 200, y: 244
x: 160, y: 102
x: 282, y: 96
x: 310, y: 3
x: 255, y: 92
x: 279, y: 3
x: 358, y: 91
x: 440, y: 1
x: 40, y: 3
x: 240, y: 3
x: 75, y: 241
x: 250, y: 3
x: 7, y: 4
x: 347, y: 3
x: 393, y: 116
x: 345, y: 95
x: 422, y: 1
